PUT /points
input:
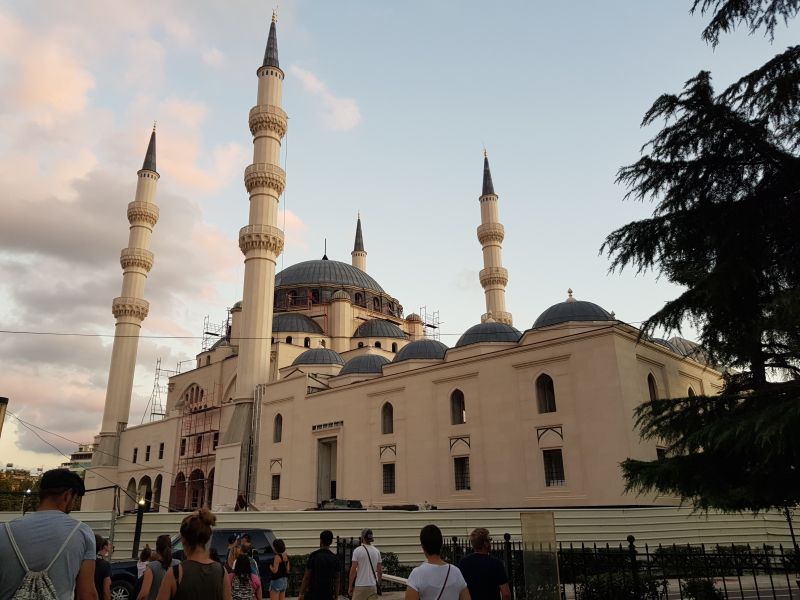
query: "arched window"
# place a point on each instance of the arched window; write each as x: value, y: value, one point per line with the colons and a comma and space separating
x: 360, y: 344
x: 545, y: 394
x: 377, y: 344
x: 458, y: 408
x: 376, y: 303
x: 288, y: 339
x: 315, y: 296
x: 652, y: 388
x: 360, y: 299
x: 179, y: 502
x: 130, y: 496
x: 322, y: 343
x: 307, y: 343
x: 277, y: 429
x: 197, y: 490
x: 210, y: 488
x: 387, y: 418
x: 691, y: 393
x: 394, y: 346
x: 157, y: 492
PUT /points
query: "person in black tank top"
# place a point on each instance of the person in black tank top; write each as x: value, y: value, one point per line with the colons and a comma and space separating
x: 279, y: 568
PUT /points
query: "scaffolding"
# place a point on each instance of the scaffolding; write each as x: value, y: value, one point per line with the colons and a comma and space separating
x: 159, y: 393
x: 197, y: 450
x: 213, y: 332
x: 431, y: 322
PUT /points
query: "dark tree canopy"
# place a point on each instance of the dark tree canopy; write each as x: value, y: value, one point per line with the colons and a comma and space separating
x: 724, y: 175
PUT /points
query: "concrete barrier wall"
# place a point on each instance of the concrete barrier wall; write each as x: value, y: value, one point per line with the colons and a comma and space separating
x: 397, y: 531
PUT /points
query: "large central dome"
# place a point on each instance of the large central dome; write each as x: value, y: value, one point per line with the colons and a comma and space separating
x: 326, y: 273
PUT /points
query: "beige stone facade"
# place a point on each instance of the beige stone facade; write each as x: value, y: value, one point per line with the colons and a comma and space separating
x: 321, y: 388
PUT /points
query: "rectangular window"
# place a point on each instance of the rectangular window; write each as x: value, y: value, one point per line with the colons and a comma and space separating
x: 135, y: 454
x: 198, y: 444
x: 461, y: 467
x: 161, y: 450
x: 183, y: 446
x: 276, y: 487
x: 388, y: 478
x: 553, y: 468
x: 216, y: 440
x: 661, y: 453
x: 147, y: 454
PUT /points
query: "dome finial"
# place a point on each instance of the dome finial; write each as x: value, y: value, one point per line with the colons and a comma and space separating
x: 569, y: 296
x: 275, y: 15
x: 154, y: 126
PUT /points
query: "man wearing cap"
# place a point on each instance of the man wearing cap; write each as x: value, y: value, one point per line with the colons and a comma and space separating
x: 50, y: 536
x: 366, y: 570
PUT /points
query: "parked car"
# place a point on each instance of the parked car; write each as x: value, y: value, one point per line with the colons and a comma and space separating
x: 123, y: 572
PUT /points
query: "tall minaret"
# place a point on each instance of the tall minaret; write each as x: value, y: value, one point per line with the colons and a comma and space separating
x: 261, y: 242
x: 130, y: 309
x: 493, y: 276
x: 359, y: 255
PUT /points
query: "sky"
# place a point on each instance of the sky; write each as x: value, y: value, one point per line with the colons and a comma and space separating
x: 390, y: 107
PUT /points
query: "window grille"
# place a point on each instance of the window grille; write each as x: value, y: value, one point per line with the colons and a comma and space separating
x: 461, y: 468
x: 275, y: 492
x: 388, y: 478
x: 553, y: 468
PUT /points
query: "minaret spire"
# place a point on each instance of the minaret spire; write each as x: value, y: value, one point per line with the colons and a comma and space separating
x: 359, y: 255
x: 493, y: 276
x: 261, y: 242
x: 129, y: 309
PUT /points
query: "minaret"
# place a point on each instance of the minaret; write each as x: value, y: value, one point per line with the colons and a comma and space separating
x: 261, y: 242
x: 130, y: 309
x: 359, y: 255
x: 493, y: 276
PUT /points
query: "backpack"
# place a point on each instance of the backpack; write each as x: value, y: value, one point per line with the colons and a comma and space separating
x: 36, y: 585
x: 241, y: 590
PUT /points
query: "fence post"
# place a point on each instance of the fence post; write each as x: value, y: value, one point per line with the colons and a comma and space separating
x: 509, y: 562
x: 634, y: 565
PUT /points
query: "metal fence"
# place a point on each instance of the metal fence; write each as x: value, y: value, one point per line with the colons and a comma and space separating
x: 625, y: 571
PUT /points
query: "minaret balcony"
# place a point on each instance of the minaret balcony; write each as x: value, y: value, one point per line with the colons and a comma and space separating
x: 261, y: 237
x: 130, y: 307
x: 268, y: 118
x: 491, y: 276
x: 265, y: 176
x: 142, y: 212
x: 491, y: 232
x: 136, y: 258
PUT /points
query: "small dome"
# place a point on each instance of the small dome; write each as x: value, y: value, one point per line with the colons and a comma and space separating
x: 572, y: 310
x: 366, y: 363
x: 379, y: 328
x: 237, y: 306
x: 663, y: 342
x: 341, y: 295
x: 318, y: 356
x: 295, y: 322
x: 490, y: 331
x: 414, y: 317
x: 421, y: 349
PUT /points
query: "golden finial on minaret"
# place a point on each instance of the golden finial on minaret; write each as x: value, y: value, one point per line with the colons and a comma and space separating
x: 274, y: 15
x: 154, y: 126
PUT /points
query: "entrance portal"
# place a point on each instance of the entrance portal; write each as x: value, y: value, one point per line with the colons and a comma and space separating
x: 326, y: 469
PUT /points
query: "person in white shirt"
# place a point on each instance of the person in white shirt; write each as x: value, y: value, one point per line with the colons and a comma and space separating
x: 366, y: 570
x: 435, y: 579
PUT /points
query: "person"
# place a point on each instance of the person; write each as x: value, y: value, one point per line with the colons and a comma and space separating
x: 157, y: 569
x: 366, y: 570
x: 144, y: 558
x: 280, y: 569
x: 49, y: 540
x: 485, y: 575
x: 322, y: 579
x: 198, y: 577
x: 435, y: 579
x: 244, y: 584
x: 234, y: 552
x: 102, y: 569
x: 248, y: 550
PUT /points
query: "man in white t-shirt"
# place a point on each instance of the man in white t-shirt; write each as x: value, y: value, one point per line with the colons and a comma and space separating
x: 41, y: 534
x: 366, y: 570
x: 435, y: 579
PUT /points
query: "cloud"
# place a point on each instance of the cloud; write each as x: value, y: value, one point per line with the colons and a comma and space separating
x: 338, y: 114
x: 213, y: 58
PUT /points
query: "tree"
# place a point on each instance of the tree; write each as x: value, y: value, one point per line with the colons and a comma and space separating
x: 724, y: 172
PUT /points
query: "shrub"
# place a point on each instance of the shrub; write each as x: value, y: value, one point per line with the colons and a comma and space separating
x: 700, y: 589
x: 615, y: 586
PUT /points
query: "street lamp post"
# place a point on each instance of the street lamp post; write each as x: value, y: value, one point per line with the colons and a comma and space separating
x: 27, y: 494
x: 137, y: 534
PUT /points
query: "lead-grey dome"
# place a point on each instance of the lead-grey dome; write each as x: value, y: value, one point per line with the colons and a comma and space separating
x: 572, y: 310
x: 366, y: 363
x: 295, y: 322
x: 489, y: 332
x: 380, y: 328
x: 421, y: 349
x: 319, y: 356
x: 326, y: 273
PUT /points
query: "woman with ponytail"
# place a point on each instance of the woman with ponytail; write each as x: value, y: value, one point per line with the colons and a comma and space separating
x: 199, y: 577
x: 245, y: 585
x: 157, y: 568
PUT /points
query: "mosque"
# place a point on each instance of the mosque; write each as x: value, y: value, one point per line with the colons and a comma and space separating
x: 321, y: 388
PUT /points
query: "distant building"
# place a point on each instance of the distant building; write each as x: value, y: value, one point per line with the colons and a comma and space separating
x: 80, y: 460
x: 17, y: 479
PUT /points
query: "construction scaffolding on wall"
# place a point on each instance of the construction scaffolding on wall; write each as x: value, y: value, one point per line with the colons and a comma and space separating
x: 213, y: 332
x: 431, y: 322
x: 193, y: 485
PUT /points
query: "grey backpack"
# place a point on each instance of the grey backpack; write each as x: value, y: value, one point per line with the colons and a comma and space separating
x: 37, y: 585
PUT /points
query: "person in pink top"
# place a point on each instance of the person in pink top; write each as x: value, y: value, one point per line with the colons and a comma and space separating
x: 245, y: 585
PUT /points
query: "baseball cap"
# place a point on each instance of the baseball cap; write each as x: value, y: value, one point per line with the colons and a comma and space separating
x: 57, y: 479
x: 366, y: 535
